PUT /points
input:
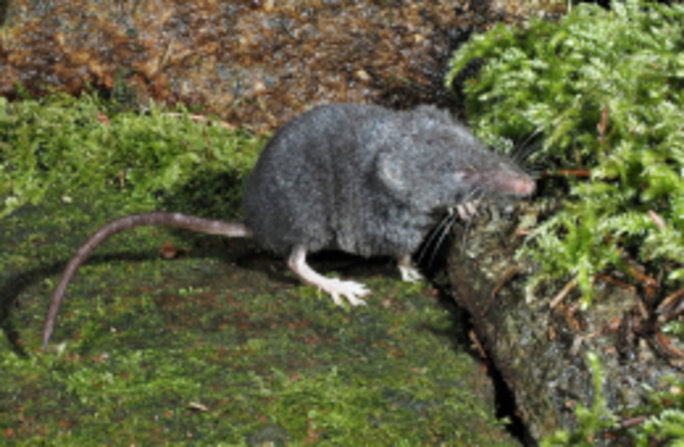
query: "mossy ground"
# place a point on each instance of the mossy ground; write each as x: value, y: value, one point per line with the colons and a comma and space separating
x: 220, y: 345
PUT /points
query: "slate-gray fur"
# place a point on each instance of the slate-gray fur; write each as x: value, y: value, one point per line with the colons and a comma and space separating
x: 359, y: 178
x: 367, y: 180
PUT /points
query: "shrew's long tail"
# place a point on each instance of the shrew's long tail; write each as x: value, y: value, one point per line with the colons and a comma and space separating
x: 156, y: 218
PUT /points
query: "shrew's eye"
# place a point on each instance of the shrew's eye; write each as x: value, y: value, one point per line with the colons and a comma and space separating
x: 449, y: 165
x: 464, y: 175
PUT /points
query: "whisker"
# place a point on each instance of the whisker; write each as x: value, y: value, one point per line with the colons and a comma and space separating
x: 524, y: 151
x: 467, y: 210
x: 476, y: 196
x: 523, y: 154
x: 434, y: 234
x: 445, y: 233
x: 470, y: 194
x: 536, y: 173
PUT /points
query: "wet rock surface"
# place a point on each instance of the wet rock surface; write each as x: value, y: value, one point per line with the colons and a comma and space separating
x: 541, y: 352
x: 254, y: 63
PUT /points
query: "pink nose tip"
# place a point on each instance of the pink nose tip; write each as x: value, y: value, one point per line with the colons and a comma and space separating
x: 520, y: 185
x: 524, y: 186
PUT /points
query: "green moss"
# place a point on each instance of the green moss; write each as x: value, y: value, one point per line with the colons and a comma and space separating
x: 604, y: 89
x: 67, y: 144
x: 666, y: 423
x: 219, y: 346
x: 600, y: 91
x: 200, y: 360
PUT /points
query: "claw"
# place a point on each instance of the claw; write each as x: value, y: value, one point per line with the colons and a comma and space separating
x: 467, y: 209
x: 349, y: 289
x: 407, y: 270
x: 335, y: 287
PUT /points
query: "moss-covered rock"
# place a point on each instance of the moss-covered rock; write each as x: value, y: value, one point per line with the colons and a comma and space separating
x: 220, y: 345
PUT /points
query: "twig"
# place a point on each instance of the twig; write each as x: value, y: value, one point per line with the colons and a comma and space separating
x: 649, y: 283
x: 478, y: 345
x: 577, y: 343
x: 657, y: 220
x: 563, y: 293
x: 633, y: 422
x: 511, y: 272
x: 669, y: 303
x: 615, y: 282
x: 669, y: 347
x: 574, y: 172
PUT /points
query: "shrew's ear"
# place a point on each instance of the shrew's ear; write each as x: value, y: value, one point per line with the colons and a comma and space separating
x: 393, y: 172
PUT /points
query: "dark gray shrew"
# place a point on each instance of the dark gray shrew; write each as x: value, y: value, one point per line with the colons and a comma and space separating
x: 358, y: 178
